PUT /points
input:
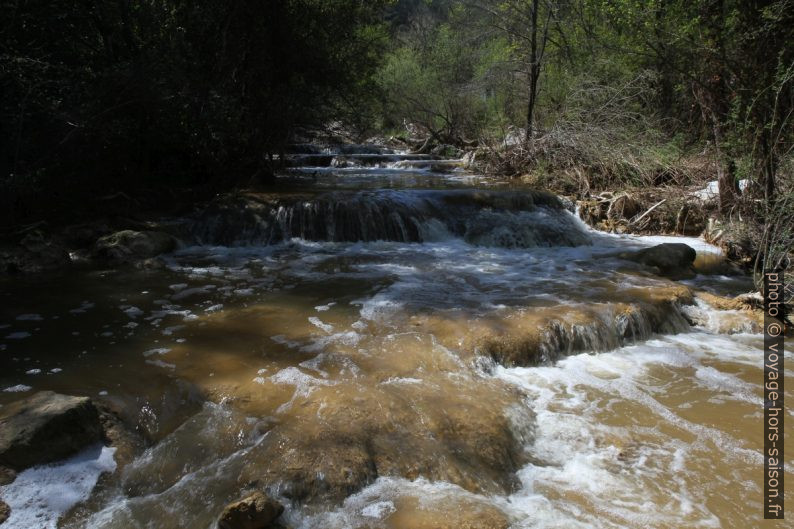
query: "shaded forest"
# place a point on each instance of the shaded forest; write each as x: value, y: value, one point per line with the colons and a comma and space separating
x: 104, y: 96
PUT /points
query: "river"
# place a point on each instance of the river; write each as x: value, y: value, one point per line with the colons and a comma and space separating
x: 393, y: 342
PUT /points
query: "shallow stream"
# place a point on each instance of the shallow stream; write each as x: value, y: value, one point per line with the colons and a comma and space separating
x: 397, y: 343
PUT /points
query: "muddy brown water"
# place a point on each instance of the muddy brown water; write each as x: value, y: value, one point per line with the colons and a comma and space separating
x: 489, y: 364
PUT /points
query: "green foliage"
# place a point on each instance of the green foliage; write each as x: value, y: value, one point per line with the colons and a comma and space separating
x: 447, y: 77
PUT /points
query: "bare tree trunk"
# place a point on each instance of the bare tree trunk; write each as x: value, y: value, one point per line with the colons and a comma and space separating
x: 534, y: 70
x: 726, y: 173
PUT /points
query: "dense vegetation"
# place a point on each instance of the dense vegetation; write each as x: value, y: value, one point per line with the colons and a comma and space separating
x: 108, y: 95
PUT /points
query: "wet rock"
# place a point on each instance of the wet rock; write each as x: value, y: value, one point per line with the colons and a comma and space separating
x: 673, y: 260
x: 34, y: 253
x: 46, y: 427
x: 7, y: 475
x: 530, y: 338
x: 130, y: 245
x: 5, y: 511
x: 256, y: 511
x: 127, y: 442
x: 437, y: 432
x: 341, y: 162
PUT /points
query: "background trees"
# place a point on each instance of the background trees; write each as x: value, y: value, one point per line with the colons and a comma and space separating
x: 104, y: 94
x: 612, y: 94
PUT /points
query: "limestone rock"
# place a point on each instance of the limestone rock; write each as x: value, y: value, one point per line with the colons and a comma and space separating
x: 256, y: 511
x: 46, y: 427
x: 673, y: 260
x: 130, y: 245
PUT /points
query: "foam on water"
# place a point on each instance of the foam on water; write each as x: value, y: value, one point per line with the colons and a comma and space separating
x: 304, y: 384
x: 581, y: 454
x: 19, y: 388
x: 317, y: 322
x: 41, y: 495
x: 372, y: 505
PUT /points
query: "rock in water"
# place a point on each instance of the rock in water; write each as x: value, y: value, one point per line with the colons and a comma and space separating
x: 34, y: 253
x: 256, y: 511
x: 673, y: 260
x: 131, y: 245
x: 5, y: 511
x: 45, y: 428
x: 7, y: 476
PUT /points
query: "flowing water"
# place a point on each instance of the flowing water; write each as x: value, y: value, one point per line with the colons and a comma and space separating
x: 388, y: 341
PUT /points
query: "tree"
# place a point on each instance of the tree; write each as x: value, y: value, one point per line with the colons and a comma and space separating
x: 107, y: 94
x: 521, y: 21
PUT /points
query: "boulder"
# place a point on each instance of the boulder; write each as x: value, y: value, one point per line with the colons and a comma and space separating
x: 34, y: 253
x: 130, y: 245
x: 46, y: 427
x: 5, y: 511
x: 256, y: 511
x: 673, y: 260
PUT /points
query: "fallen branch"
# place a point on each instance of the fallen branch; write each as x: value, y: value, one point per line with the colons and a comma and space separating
x: 636, y: 220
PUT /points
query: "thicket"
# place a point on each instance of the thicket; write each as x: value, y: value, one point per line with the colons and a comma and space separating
x: 98, y: 96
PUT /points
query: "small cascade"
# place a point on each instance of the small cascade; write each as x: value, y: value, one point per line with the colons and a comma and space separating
x: 486, y: 218
x: 384, y: 339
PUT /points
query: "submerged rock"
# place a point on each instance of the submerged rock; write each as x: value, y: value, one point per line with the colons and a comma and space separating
x: 256, y: 511
x: 673, y: 260
x: 435, y: 431
x: 45, y: 428
x: 130, y: 245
